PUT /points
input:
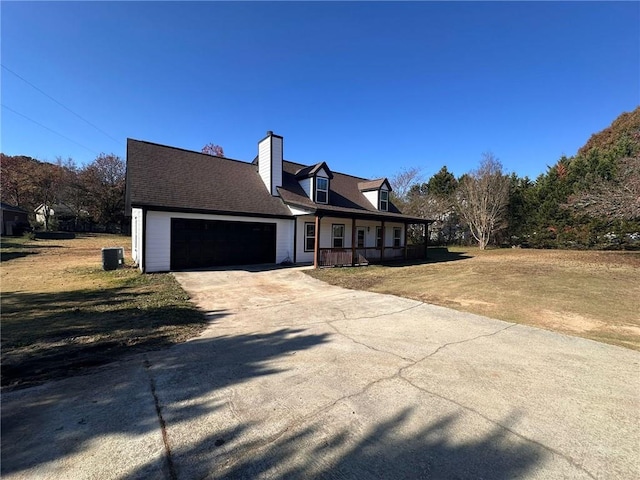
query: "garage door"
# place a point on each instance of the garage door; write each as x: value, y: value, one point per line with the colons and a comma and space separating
x: 210, y: 243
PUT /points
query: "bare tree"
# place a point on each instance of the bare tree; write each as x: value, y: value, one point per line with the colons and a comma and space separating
x: 402, y: 182
x: 213, y: 149
x: 483, y: 195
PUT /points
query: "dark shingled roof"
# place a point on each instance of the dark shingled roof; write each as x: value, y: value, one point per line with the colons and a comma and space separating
x: 345, y: 198
x: 175, y: 179
x: 373, y: 185
x: 310, y: 171
x: 11, y: 208
x: 161, y: 176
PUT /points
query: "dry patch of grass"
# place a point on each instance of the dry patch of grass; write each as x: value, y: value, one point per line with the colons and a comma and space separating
x: 61, y: 313
x: 586, y: 293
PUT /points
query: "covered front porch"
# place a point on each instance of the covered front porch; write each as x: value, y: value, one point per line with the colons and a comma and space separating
x: 329, y: 240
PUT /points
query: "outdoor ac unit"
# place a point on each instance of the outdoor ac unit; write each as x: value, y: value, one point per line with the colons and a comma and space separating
x: 112, y: 258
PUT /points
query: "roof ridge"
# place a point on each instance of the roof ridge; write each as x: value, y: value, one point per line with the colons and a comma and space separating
x: 188, y: 151
x: 332, y: 171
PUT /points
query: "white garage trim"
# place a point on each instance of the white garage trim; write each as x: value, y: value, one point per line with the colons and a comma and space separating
x: 157, y: 254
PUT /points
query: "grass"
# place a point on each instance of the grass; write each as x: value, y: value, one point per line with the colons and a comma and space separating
x: 592, y: 294
x: 61, y: 313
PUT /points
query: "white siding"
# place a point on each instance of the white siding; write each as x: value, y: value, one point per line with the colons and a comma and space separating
x: 157, y: 246
x: 264, y: 162
x: 372, y: 196
x: 270, y: 151
x: 158, y: 236
x: 276, y: 180
x: 370, y: 234
x: 297, y: 211
x: 136, y: 236
x: 388, y: 234
x: 326, y: 231
x: 325, y: 234
x: 301, y: 255
x: 307, y: 186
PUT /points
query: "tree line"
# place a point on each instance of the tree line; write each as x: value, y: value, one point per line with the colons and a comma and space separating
x: 590, y: 200
x: 91, y: 196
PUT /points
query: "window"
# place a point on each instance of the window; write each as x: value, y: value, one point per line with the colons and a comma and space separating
x: 309, y: 237
x: 384, y: 200
x: 378, y: 237
x: 337, y: 236
x: 360, y: 237
x: 397, y: 233
x: 322, y: 190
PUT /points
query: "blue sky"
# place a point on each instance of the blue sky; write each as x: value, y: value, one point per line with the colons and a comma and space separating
x: 368, y: 87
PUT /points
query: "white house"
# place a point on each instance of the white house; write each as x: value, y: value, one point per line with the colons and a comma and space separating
x: 193, y: 210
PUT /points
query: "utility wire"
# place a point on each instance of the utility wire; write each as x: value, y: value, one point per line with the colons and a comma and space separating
x: 59, y: 103
x: 47, y: 128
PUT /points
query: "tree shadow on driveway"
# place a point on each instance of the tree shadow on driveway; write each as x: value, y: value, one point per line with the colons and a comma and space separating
x: 433, y: 451
x: 46, y: 424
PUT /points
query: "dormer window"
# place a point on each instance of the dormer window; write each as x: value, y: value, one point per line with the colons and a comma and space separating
x: 322, y: 190
x: 384, y: 200
x: 314, y: 180
x: 377, y: 192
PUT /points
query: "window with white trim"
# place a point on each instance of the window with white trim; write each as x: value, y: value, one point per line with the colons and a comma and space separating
x: 309, y: 237
x: 378, y: 237
x: 397, y: 236
x: 322, y: 190
x: 384, y: 200
x: 337, y: 235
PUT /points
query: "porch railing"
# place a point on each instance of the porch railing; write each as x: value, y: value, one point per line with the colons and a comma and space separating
x: 330, y: 257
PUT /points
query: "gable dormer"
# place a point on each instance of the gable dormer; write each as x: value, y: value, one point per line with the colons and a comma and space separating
x: 316, y: 182
x: 377, y: 192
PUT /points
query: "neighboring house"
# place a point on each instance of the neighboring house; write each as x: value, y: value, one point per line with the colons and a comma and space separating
x: 57, y: 211
x: 13, y: 220
x: 192, y: 210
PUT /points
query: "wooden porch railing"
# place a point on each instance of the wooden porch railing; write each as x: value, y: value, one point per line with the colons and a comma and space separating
x: 334, y: 257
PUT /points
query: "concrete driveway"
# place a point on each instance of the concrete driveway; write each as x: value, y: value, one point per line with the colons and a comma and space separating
x: 298, y: 379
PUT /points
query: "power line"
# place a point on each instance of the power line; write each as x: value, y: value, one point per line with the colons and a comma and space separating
x: 59, y: 103
x: 47, y: 128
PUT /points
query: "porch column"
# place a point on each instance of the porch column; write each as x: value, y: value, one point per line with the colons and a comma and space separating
x: 406, y: 225
x: 353, y: 241
x: 382, y: 244
x: 316, y: 247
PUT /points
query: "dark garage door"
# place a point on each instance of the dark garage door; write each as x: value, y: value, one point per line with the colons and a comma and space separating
x: 209, y: 243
